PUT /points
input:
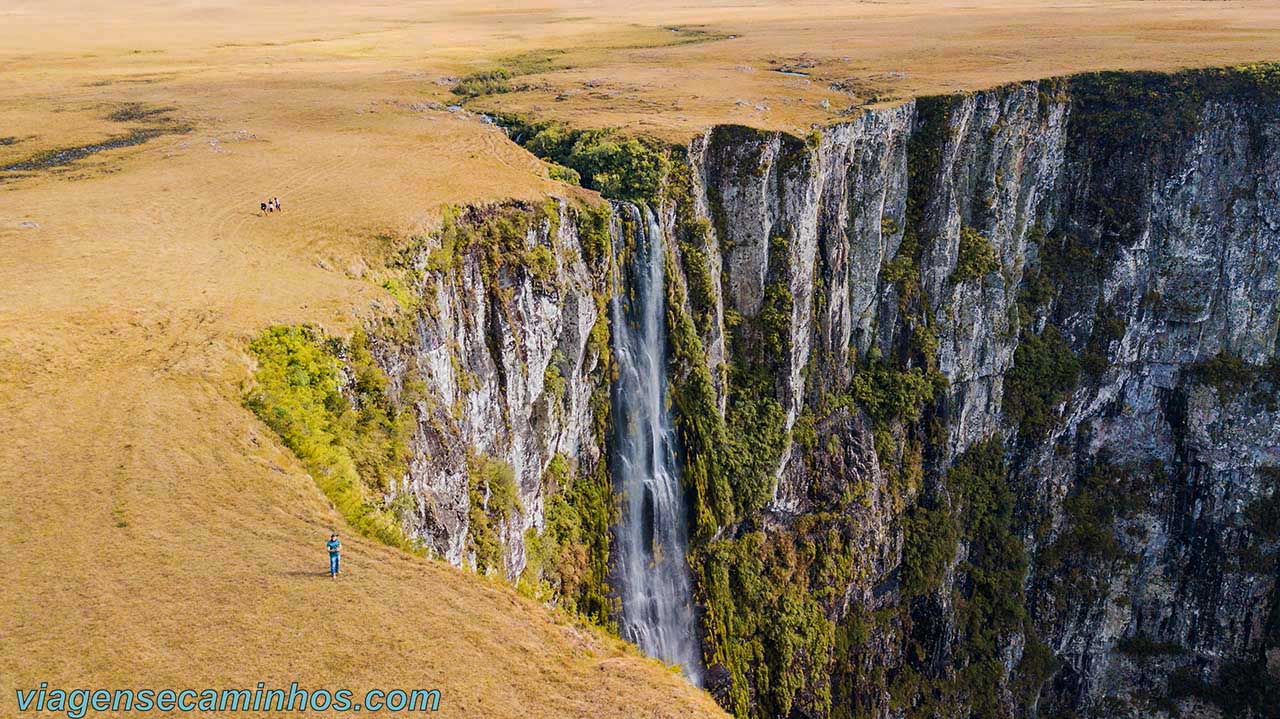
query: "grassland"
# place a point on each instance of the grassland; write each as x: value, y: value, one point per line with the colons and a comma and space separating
x: 152, y: 530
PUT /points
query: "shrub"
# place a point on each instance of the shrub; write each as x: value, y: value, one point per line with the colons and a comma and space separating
x: 1241, y: 689
x: 700, y: 428
x: 593, y: 233
x: 888, y: 226
x: 353, y: 444
x: 553, y: 382
x: 1108, y: 327
x: 497, y: 237
x: 542, y: 265
x: 1226, y: 372
x: 888, y: 393
x: 991, y: 608
x: 930, y: 538
x: 1037, y: 665
x: 485, y: 82
x: 975, y: 258
x: 498, y: 80
x: 754, y: 441
x: 924, y: 156
x: 1043, y: 374
x: 987, y: 592
x: 493, y: 501
x: 775, y: 310
x: 624, y: 168
x: 560, y: 173
x: 617, y: 166
x: 403, y: 295
x: 1082, y: 554
x: 1141, y: 645
x: 697, y: 271
x: 765, y: 624
x: 563, y: 563
x: 904, y: 270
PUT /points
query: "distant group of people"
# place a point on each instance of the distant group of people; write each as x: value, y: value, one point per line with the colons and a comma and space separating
x: 272, y: 205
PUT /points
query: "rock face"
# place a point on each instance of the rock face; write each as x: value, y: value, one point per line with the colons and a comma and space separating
x: 503, y: 367
x: 1146, y: 249
x: 1019, y: 348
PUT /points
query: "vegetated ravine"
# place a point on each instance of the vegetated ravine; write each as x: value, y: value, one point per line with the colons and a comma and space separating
x: 973, y: 402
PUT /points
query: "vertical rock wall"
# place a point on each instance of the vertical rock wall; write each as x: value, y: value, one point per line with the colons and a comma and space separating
x: 1019, y: 340
x: 1148, y: 246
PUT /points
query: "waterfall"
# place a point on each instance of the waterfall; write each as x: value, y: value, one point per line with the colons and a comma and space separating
x: 652, y: 539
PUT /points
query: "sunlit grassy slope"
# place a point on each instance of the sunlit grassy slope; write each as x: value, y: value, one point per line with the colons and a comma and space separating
x: 152, y: 532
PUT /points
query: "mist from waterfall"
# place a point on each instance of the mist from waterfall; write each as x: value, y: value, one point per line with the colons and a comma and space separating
x: 652, y: 538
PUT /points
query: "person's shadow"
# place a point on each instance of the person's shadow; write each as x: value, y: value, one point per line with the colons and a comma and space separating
x: 307, y: 573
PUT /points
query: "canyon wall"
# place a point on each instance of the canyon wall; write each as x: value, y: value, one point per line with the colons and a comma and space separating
x: 976, y: 400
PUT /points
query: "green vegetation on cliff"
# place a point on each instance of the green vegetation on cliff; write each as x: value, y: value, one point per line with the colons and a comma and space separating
x: 567, y: 564
x: 930, y: 537
x: 924, y: 156
x: 1083, y: 554
x: 767, y: 627
x: 976, y: 257
x: 759, y: 348
x: 889, y: 394
x: 327, y: 400
x: 493, y: 500
x: 788, y: 628
x: 987, y: 591
x: 497, y: 237
x: 1043, y: 374
x: 763, y: 620
x: 617, y: 165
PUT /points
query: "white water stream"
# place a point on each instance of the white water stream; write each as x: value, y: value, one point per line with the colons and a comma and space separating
x: 654, y: 581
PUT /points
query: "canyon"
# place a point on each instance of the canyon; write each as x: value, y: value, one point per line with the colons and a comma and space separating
x: 815, y: 348
x: 973, y: 399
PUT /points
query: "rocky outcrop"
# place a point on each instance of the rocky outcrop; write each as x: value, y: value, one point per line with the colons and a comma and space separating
x: 499, y: 358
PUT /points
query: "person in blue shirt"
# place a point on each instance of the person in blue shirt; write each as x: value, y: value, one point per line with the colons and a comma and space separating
x: 334, y: 548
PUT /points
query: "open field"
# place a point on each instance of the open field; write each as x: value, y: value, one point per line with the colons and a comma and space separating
x: 153, y: 532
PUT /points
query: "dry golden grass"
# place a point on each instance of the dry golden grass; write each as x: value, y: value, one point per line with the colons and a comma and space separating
x: 152, y: 531
x: 875, y: 52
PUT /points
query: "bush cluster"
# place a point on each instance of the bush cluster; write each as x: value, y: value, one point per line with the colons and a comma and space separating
x: 493, y: 501
x: 485, y: 82
x: 567, y: 564
x: 616, y: 165
x: 987, y: 594
x: 1044, y: 373
x: 327, y: 400
x: 976, y: 258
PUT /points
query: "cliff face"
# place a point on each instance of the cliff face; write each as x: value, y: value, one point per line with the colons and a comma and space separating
x: 504, y: 370
x: 1093, y: 273
x: 977, y: 400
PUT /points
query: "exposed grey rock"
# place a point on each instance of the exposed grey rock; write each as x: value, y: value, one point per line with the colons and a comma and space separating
x: 482, y: 356
x: 1195, y: 274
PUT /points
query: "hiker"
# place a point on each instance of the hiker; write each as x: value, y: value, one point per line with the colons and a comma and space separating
x: 276, y: 201
x: 334, y: 548
x: 264, y: 208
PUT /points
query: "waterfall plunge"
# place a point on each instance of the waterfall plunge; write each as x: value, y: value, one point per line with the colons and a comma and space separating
x: 652, y: 541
